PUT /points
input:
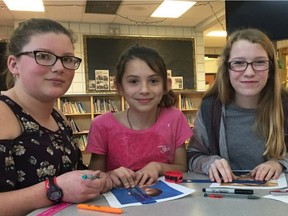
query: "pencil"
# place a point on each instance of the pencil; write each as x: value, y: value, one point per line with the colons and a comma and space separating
x: 107, y: 209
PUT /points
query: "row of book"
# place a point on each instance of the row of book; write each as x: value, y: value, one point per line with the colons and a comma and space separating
x: 73, y: 125
x: 186, y: 103
x: 81, y: 141
x: 190, y: 119
x: 105, y: 105
x: 69, y: 107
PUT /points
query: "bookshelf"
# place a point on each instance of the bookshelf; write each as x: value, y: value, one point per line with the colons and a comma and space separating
x: 188, y: 103
x: 81, y: 109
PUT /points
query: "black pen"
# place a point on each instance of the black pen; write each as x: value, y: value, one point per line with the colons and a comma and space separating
x: 227, y: 190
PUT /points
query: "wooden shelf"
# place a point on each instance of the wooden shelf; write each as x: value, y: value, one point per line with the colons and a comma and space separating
x: 188, y: 103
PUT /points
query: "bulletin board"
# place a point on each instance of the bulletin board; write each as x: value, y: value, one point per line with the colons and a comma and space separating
x: 103, y: 52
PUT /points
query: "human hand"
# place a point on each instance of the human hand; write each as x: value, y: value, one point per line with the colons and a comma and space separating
x: 148, y: 174
x: 108, y: 180
x: 76, y: 190
x: 220, y: 171
x: 123, y: 177
x: 268, y: 170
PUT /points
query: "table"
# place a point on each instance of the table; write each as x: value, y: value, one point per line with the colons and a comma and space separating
x: 194, y: 204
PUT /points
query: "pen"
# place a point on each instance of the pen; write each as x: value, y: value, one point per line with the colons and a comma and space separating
x: 219, y: 195
x: 92, y: 177
x: 107, y: 209
x: 227, y: 190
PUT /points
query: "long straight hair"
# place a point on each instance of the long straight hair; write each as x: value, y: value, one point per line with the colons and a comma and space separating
x: 269, y: 121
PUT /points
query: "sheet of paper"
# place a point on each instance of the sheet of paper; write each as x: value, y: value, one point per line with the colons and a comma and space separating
x: 279, y: 198
x: 272, y: 184
x: 121, y: 197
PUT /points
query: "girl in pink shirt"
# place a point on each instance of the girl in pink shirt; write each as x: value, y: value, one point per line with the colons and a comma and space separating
x: 138, y: 145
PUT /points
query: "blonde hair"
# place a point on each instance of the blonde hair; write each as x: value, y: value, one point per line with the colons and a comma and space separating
x: 269, y: 122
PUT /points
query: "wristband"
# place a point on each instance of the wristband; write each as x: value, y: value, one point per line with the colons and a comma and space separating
x: 174, y: 176
x: 54, y: 193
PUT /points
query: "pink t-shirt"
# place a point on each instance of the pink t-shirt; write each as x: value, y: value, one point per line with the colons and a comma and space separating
x: 134, y: 149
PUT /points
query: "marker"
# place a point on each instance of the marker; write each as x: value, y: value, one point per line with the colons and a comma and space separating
x: 228, y: 190
x: 240, y: 181
x: 107, y: 209
x: 279, y: 192
x: 218, y: 195
x: 92, y: 177
x: 197, y: 181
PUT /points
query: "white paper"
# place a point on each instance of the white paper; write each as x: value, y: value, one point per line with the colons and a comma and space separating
x: 183, y: 191
x: 281, y: 183
x: 282, y: 198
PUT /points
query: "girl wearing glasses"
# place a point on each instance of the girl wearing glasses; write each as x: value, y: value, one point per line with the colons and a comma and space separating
x: 242, y: 121
x: 39, y: 163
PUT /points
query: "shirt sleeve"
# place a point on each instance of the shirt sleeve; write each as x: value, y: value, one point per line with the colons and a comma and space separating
x: 198, y: 150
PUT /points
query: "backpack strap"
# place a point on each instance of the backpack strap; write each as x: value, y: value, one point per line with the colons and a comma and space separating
x: 211, y: 113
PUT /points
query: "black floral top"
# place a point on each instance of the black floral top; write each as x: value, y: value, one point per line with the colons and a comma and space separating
x: 37, y: 153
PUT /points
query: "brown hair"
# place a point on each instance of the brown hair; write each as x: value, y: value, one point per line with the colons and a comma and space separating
x: 154, y: 61
x: 22, y: 36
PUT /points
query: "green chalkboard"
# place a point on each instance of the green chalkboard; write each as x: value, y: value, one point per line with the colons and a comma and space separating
x: 103, y: 52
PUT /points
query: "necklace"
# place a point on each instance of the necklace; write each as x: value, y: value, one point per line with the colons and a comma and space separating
x: 129, y: 122
x: 129, y: 119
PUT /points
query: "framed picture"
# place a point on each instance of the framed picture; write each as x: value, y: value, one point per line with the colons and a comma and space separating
x: 102, y: 79
x: 177, y: 82
x: 112, y: 86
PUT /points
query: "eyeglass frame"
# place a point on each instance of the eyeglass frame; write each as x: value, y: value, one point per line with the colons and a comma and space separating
x: 57, y: 57
x: 247, y: 64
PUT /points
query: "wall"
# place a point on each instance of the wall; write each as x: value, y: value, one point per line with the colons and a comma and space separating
x: 80, y: 29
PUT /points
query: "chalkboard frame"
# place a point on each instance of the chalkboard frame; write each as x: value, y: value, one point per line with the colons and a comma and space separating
x: 182, y: 63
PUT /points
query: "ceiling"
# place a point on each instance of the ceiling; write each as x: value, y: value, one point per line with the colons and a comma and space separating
x: 203, y: 16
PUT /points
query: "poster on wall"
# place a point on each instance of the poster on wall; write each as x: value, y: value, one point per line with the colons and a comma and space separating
x: 92, y: 85
x: 102, y: 79
x: 177, y: 82
x: 112, y: 86
x: 169, y: 73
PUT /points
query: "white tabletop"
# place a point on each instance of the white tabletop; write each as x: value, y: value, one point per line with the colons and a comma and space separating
x: 194, y: 204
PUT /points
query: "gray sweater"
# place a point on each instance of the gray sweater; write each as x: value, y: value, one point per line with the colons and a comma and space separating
x: 238, y: 144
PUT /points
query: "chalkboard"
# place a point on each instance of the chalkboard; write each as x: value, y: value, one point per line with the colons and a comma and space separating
x: 103, y: 52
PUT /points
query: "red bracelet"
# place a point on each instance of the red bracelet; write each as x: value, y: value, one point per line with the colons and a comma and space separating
x: 174, y: 176
x: 47, y: 183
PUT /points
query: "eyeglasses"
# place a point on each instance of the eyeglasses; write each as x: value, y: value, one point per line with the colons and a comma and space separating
x: 240, y: 66
x: 49, y: 59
